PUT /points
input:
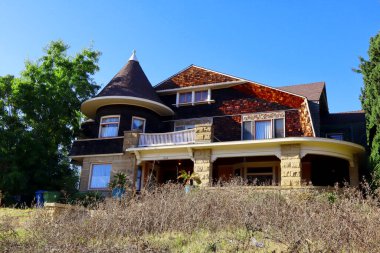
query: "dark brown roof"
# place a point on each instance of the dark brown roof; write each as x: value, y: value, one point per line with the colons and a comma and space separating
x: 312, y: 91
x: 130, y: 81
x: 193, y: 76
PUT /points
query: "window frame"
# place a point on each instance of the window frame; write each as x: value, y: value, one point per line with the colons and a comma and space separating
x: 139, y: 118
x: 101, y: 124
x: 186, y: 127
x: 91, y: 172
x: 253, y: 128
x: 271, y: 128
x: 193, y: 102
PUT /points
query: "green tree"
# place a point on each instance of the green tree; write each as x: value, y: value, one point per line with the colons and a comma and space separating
x: 39, y: 118
x: 370, y: 99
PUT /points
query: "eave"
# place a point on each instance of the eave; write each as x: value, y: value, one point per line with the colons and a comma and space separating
x: 309, y: 145
x: 90, y: 106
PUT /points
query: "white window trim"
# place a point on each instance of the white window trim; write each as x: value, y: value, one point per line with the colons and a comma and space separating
x: 90, y: 176
x: 143, y: 119
x: 193, y: 102
x: 100, y: 125
x: 253, y: 128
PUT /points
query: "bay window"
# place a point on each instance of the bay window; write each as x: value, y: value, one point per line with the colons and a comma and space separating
x: 100, y: 176
x: 263, y: 129
x: 109, y: 126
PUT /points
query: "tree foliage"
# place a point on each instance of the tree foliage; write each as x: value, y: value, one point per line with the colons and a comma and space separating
x: 39, y: 118
x: 370, y: 99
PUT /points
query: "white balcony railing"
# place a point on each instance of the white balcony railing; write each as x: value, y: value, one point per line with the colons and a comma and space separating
x: 171, y: 138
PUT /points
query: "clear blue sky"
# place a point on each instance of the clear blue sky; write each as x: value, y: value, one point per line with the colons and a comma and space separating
x: 273, y: 42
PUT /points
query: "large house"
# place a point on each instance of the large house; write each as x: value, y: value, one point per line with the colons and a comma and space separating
x: 218, y: 126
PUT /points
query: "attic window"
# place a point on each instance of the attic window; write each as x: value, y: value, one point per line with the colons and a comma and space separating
x: 193, y: 97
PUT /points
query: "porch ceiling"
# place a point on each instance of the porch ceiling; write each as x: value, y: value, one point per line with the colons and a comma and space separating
x: 309, y: 145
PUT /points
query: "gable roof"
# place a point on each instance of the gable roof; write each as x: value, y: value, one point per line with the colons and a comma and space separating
x: 194, y: 76
x: 312, y: 91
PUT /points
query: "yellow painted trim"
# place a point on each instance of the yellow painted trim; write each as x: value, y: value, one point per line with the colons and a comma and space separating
x: 90, y: 106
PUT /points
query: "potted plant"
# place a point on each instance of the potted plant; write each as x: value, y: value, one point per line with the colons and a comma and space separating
x: 188, y: 178
x: 118, y: 185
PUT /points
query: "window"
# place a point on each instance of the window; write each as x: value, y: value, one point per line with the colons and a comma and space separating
x: 263, y: 129
x: 100, y: 176
x: 201, y: 96
x: 335, y: 136
x: 185, y: 98
x: 138, y: 178
x: 109, y: 126
x: 260, y: 175
x: 247, y: 130
x: 183, y: 127
x: 138, y: 124
x: 193, y: 97
x: 279, y: 131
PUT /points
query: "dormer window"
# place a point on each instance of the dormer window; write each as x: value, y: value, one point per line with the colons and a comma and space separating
x: 138, y: 124
x: 109, y: 126
x: 193, y: 97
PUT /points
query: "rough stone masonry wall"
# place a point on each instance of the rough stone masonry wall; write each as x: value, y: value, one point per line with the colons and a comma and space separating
x: 290, y: 165
x: 204, y: 133
x: 203, y: 165
x: 120, y: 163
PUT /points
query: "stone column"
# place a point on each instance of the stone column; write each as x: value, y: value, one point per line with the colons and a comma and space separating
x: 131, y: 139
x: 354, y: 172
x: 204, y: 133
x: 203, y: 166
x: 290, y: 165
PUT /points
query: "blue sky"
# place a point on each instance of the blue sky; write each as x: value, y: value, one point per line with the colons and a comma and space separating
x: 273, y: 42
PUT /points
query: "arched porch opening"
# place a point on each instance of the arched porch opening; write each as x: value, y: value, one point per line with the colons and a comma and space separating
x: 323, y: 170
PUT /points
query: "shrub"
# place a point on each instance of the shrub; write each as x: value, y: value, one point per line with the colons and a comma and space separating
x: 305, y: 221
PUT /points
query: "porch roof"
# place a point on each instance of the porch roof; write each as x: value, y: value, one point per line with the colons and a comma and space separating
x: 309, y: 145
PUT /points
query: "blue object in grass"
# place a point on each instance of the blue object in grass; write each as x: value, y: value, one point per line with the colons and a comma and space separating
x: 118, y: 192
x: 40, y: 198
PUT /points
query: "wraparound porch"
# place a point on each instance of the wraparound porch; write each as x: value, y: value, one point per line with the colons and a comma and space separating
x: 280, y: 162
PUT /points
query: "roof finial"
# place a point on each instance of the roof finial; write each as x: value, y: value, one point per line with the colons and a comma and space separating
x: 133, y: 56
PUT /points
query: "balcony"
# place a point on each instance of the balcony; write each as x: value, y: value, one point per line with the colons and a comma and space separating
x: 171, y: 138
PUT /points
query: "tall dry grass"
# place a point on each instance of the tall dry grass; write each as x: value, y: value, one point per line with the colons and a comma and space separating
x: 345, y: 220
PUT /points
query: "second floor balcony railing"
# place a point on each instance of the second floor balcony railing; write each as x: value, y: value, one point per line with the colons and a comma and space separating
x: 171, y: 138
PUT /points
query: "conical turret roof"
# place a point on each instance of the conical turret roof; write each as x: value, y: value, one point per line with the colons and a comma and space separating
x: 129, y: 86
